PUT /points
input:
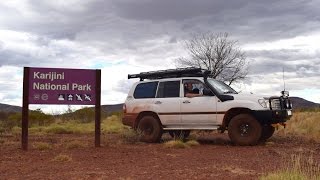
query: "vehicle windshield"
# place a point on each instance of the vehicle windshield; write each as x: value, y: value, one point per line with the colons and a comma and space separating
x: 221, y: 87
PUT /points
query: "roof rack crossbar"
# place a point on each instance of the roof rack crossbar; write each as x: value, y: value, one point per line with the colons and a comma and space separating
x: 170, y: 73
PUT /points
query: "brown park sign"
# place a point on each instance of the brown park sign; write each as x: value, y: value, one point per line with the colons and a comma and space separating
x: 61, y: 86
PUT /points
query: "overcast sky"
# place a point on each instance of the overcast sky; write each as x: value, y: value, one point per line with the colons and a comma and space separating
x: 126, y: 36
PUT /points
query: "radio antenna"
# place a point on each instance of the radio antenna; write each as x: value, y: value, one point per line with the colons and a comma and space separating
x: 284, y: 83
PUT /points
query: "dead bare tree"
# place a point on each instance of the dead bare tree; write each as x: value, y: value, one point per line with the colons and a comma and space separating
x: 216, y: 52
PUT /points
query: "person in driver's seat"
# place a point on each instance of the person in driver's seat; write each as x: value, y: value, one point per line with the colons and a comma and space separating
x: 189, y: 91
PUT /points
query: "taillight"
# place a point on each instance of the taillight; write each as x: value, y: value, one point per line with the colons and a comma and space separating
x: 124, y: 108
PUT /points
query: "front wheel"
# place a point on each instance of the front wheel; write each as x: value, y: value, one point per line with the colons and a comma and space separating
x: 244, y: 130
x: 150, y: 128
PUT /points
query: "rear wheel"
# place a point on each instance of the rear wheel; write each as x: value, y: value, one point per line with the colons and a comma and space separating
x: 150, y: 128
x: 244, y: 130
x: 180, y: 134
x: 267, y: 132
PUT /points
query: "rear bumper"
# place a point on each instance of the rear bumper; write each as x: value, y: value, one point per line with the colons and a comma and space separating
x: 272, y: 116
x: 129, y: 119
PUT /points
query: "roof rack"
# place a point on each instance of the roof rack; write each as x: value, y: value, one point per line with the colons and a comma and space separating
x: 171, y: 73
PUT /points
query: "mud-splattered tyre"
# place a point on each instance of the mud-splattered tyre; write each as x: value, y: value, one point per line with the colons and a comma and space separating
x: 244, y: 130
x: 150, y: 129
x: 267, y: 132
x: 180, y: 134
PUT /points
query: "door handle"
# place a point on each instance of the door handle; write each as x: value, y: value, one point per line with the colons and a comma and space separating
x: 186, y: 102
x: 158, y: 102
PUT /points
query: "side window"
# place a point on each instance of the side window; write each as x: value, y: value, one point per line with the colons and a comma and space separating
x: 196, y: 87
x: 169, y: 89
x: 145, y: 90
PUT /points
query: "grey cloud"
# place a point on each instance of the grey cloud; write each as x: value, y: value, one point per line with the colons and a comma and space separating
x: 43, y: 53
x: 124, y: 27
x: 272, y: 61
x: 284, y: 54
x: 270, y: 67
x: 138, y: 20
x: 249, y: 20
x: 11, y: 57
x: 58, y: 22
x: 123, y: 86
x: 168, y: 10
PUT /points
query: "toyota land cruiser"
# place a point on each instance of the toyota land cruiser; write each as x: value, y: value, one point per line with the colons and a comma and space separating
x: 160, y: 103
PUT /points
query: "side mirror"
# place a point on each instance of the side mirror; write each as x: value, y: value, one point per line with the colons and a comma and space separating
x: 207, y: 92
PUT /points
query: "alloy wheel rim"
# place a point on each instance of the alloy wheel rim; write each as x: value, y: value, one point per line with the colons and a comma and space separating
x: 244, y: 129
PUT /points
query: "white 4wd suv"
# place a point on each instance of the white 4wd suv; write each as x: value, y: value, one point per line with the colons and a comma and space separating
x: 180, y: 100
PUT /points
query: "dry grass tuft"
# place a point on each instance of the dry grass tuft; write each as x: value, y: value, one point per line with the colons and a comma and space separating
x: 42, y: 146
x: 180, y: 144
x: 299, y: 168
x: 113, y: 125
x: 110, y: 125
x: 177, y: 143
x: 192, y: 143
x: 131, y: 136
x: 304, y: 124
x: 75, y: 144
x: 62, y: 158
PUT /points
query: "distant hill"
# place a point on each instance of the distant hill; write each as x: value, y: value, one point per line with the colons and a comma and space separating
x: 299, y: 103
x: 111, y: 108
x: 9, y: 108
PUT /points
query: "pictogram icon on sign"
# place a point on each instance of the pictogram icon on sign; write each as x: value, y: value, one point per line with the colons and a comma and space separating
x: 36, y: 96
x: 79, y: 98
x: 87, y: 97
x: 44, y: 97
x: 70, y: 97
x: 61, y: 97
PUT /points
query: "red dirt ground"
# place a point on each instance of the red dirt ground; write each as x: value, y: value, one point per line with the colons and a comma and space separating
x: 214, y: 158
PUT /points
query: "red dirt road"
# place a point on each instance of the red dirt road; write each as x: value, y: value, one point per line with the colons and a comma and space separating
x: 215, y: 158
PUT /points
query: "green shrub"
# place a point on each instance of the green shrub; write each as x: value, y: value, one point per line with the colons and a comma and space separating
x: 58, y: 129
x: 4, y: 115
x: 84, y: 115
x: 39, y: 118
x: 38, y: 130
x: 8, y: 123
x: 2, y: 128
x: 36, y: 118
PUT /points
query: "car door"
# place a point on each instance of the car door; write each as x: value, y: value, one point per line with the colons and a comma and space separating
x: 199, y: 110
x: 167, y: 102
